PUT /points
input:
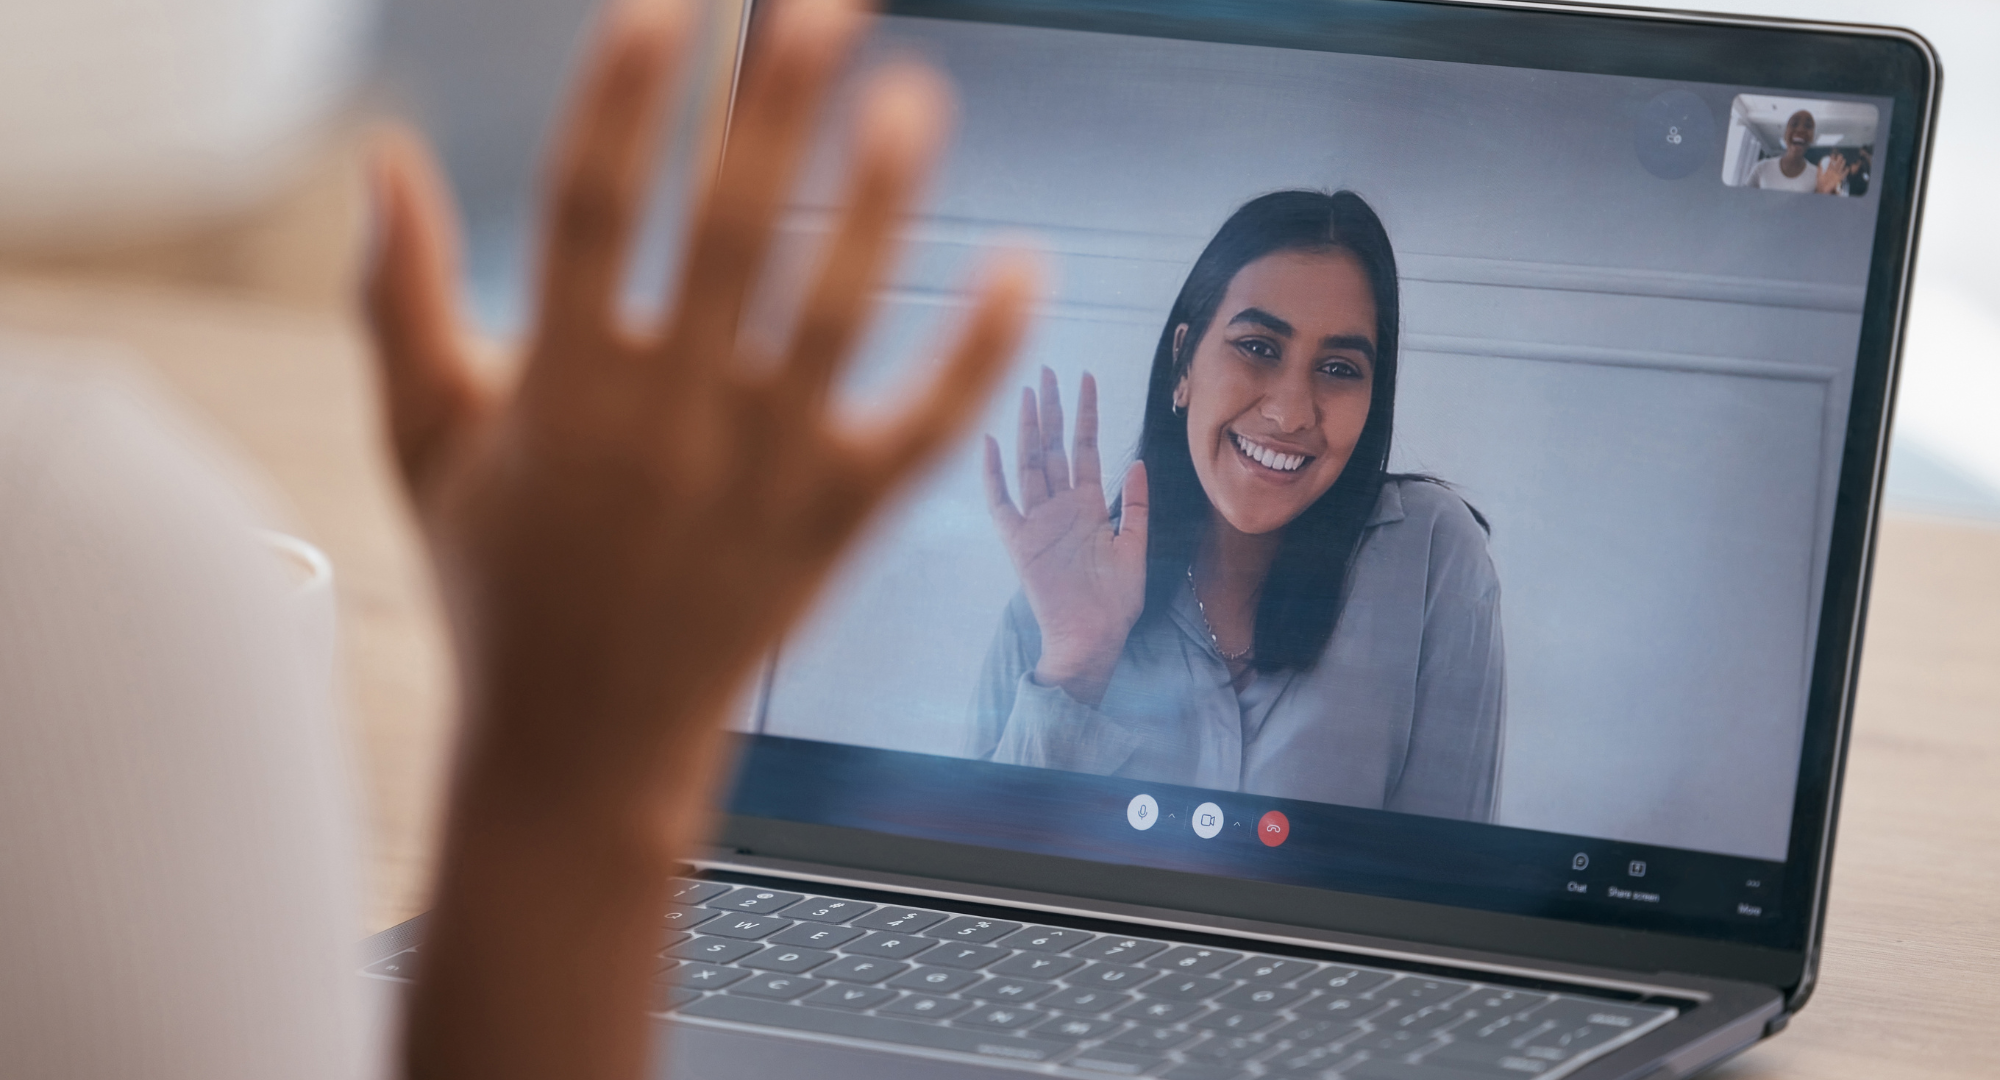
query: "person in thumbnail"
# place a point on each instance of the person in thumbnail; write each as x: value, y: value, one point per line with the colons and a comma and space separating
x: 1267, y: 609
x: 1792, y: 171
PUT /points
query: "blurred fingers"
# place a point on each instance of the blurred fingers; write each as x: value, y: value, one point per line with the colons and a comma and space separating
x: 603, y: 167
x: 1028, y: 455
x: 431, y: 392
x: 1055, y: 463
x: 1135, y: 509
x: 903, y: 124
x: 1089, y: 470
x: 794, y: 60
x: 1005, y: 516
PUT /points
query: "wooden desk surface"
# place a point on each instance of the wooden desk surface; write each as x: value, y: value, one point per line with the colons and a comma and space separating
x: 1913, y: 943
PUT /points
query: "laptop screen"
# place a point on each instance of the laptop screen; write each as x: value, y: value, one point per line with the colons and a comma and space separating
x: 1491, y: 422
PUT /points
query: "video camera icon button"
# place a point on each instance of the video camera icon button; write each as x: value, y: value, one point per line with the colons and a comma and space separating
x: 1207, y: 820
x: 1142, y: 812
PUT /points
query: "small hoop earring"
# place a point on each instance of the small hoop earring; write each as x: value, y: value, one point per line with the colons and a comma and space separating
x: 1178, y: 410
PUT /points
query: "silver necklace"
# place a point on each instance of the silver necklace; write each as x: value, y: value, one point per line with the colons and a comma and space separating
x: 1227, y: 658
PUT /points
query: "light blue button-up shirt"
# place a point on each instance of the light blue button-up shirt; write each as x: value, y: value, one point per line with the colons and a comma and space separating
x: 1404, y: 710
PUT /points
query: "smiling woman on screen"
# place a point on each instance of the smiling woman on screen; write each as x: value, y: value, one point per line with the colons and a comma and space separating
x: 1269, y: 609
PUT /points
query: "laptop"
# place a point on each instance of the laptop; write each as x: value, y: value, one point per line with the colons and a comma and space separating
x: 1512, y: 385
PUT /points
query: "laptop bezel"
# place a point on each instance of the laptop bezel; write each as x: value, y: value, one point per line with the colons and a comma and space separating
x: 1843, y: 59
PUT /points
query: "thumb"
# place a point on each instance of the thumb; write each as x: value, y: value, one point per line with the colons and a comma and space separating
x: 1133, y: 501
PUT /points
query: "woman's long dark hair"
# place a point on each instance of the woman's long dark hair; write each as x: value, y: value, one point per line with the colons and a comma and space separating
x: 1306, y: 587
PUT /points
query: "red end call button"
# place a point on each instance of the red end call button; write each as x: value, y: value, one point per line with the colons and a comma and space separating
x: 1272, y: 828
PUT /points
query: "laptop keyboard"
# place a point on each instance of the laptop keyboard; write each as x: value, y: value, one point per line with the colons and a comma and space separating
x: 1068, y: 1002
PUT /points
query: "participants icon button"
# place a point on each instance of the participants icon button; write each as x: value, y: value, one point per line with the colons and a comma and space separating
x: 1273, y: 828
x: 1142, y: 812
x: 1207, y: 820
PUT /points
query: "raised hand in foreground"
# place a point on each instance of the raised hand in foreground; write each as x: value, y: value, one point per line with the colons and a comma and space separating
x: 621, y: 534
x: 1085, y: 577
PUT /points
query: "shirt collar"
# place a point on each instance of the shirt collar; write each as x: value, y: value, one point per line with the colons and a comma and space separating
x: 1388, y: 505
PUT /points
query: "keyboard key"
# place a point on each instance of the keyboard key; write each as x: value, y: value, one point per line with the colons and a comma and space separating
x: 1047, y: 939
x: 744, y: 927
x: 1035, y: 965
x: 1151, y: 1037
x: 1194, y: 960
x: 1002, y: 1017
x: 1417, y: 988
x: 1417, y: 1017
x: 1087, y: 1000
x: 967, y: 928
x: 1316, y: 1031
x: 1573, y: 1012
x: 1236, y: 1021
x: 1271, y: 970
x: 714, y: 950
x: 687, y: 891
x: 761, y: 901
x: 880, y: 1028
x: 1494, y: 1001
x: 1120, y: 950
x: 815, y: 935
x: 969, y: 957
x: 1020, y: 991
x: 861, y: 969
x: 1571, y: 1026
x: 705, y: 976
x: 403, y: 965
x: 1305, y: 1061
x: 682, y: 916
x: 1384, y: 1044
x: 787, y: 959
x: 1346, y: 1010
x: 672, y: 938
x: 1185, y: 988
x: 667, y: 997
x: 1346, y: 980
x: 1227, y: 1048
x: 906, y: 920
x: 827, y: 910
x: 1111, y: 977
x: 924, y: 1006
x: 935, y: 980
x: 776, y: 987
x: 1160, y: 1011
x: 1260, y: 998
x: 1075, y: 1027
x: 1203, y: 1070
x: 1114, y: 1062
x: 890, y: 946
x: 1377, y: 1069
x: 849, y: 996
x: 1497, y: 1029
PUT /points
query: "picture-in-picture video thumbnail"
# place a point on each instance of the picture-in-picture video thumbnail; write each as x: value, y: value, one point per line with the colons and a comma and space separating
x: 1799, y: 145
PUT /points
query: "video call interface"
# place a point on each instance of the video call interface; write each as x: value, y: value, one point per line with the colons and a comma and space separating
x: 1489, y: 422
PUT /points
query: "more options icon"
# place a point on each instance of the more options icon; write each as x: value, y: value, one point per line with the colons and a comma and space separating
x: 1207, y: 820
x: 1142, y: 812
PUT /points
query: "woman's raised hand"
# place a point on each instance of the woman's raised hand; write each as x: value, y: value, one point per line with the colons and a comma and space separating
x: 623, y: 532
x: 1085, y: 578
